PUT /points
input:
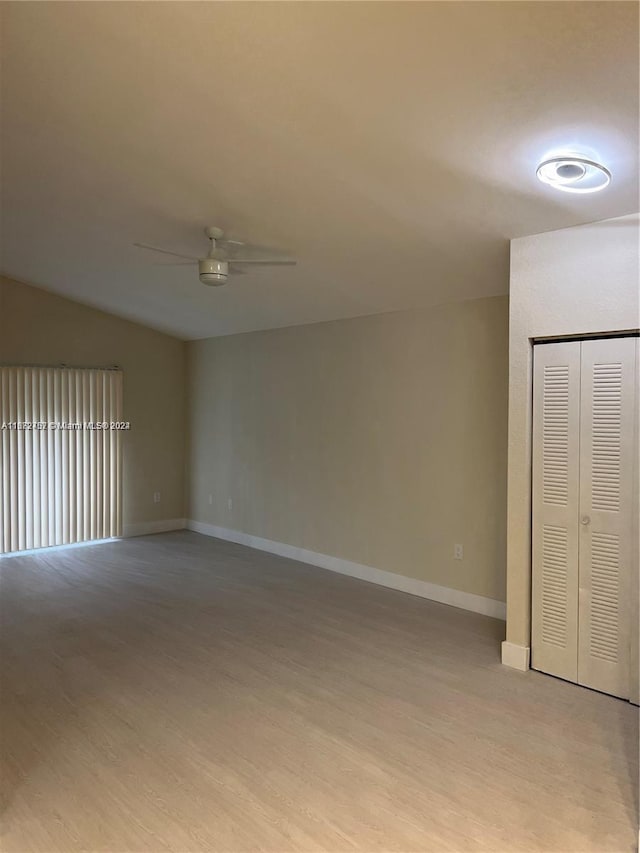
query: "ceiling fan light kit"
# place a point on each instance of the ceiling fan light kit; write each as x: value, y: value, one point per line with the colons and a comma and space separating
x: 221, y: 258
x: 212, y: 272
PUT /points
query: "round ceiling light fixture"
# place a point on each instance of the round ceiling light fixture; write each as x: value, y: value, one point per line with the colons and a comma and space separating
x: 574, y: 174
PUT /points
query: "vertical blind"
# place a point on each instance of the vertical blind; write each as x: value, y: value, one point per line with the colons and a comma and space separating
x: 61, y: 459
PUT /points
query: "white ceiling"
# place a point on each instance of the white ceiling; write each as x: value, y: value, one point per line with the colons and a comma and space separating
x: 390, y: 146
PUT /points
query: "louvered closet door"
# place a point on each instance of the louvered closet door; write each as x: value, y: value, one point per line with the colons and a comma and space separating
x: 608, y: 466
x: 556, y: 435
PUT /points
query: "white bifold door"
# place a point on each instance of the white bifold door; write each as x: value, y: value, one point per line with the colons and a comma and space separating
x: 585, y: 513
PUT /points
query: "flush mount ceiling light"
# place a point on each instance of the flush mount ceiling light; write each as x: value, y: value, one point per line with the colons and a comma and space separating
x: 574, y: 174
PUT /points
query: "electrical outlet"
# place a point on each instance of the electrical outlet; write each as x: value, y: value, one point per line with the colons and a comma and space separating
x: 458, y: 552
x: 210, y: 499
x: 156, y: 497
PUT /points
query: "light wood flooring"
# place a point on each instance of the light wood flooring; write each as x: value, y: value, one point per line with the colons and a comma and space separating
x: 176, y: 692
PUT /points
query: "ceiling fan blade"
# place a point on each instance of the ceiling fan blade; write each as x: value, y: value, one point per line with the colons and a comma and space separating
x: 236, y: 271
x: 177, y: 264
x: 265, y: 262
x: 164, y: 251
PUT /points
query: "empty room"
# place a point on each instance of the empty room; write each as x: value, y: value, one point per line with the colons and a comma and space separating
x: 320, y: 427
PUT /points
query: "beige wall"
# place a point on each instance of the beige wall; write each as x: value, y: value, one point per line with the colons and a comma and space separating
x: 380, y: 440
x: 576, y: 281
x: 40, y: 328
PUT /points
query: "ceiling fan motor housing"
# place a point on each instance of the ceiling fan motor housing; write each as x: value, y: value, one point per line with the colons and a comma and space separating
x: 212, y: 272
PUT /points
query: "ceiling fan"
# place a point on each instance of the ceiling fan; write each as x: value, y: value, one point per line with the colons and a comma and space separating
x: 221, y: 259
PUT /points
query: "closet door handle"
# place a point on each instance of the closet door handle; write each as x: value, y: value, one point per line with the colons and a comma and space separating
x: 585, y: 520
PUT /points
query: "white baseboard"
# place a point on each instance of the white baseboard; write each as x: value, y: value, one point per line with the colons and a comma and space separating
x: 144, y: 528
x: 517, y: 657
x: 424, y: 589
